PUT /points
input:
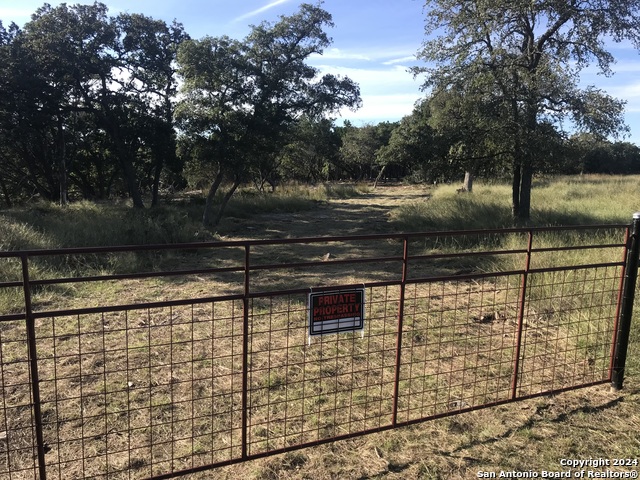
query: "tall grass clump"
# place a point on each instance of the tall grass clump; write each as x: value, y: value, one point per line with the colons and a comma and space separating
x: 585, y: 199
x: 285, y: 199
x: 446, y: 209
x: 342, y: 191
x: 575, y: 200
x: 88, y: 224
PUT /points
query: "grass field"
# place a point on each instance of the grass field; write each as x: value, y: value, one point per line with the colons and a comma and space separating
x: 176, y: 370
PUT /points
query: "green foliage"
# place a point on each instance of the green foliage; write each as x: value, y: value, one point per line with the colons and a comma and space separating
x: 89, y: 71
x: 361, y: 149
x: 98, y: 103
x: 311, y: 153
x: 414, y: 146
x: 590, y: 154
x: 516, y: 67
x: 241, y: 98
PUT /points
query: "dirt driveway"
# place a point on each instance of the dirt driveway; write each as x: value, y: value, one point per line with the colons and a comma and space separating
x: 364, y: 214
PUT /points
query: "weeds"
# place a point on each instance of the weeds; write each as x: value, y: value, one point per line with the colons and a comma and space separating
x: 159, y: 388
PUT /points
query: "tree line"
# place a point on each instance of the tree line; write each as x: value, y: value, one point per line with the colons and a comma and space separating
x: 90, y: 104
x: 96, y: 106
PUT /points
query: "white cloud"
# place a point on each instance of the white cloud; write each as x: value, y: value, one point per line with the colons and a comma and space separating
x: 378, y: 80
x: 337, y: 54
x: 389, y: 56
x: 629, y: 92
x: 388, y: 93
x: 260, y: 10
x: 378, y: 108
x: 407, y: 59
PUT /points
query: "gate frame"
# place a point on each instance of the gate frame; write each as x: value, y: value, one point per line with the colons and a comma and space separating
x: 619, y: 348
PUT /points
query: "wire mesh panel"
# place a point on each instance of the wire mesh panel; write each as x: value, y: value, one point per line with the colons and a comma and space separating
x: 141, y: 392
x: 306, y: 390
x: 568, y: 328
x: 458, y: 345
x: 18, y: 445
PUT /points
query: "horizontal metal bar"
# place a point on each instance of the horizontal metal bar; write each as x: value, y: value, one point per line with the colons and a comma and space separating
x: 297, y: 291
x: 470, y: 276
x: 578, y: 247
x: 304, y: 240
x: 382, y: 428
x: 135, y: 306
x: 173, y: 273
x: 132, y: 276
x: 575, y: 267
x: 12, y: 317
x: 466, y: 254
x: 272, y: 266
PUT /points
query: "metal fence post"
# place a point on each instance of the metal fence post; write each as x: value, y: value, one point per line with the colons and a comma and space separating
x: 245, y: 350
x: 520, y: 328
x: 626, y: 309
x: 33, y: 365
x: 403, y: 284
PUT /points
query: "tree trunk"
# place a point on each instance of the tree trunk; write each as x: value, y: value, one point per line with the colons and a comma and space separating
x: 375, y: 184
x: 156, y: 183
x: 467, y: 186
x: 521, y: 192
x: 525, y: 192
x: 128, y: 169
x: 62, y: 174
x: 515, y: 190
x: 131, y: 180
x: 5, y: 192
x: 225, y: 200
x: 206, y: 216
x: 525, y: 156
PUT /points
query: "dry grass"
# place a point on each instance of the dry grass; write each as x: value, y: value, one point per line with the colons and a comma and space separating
x: 146, y: 391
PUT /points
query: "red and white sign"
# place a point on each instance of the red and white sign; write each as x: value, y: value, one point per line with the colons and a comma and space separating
x: 336, y: 311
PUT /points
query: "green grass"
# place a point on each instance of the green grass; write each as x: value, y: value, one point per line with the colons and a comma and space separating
x: 576, y: 200
x: 531, y: 433
x: 46, y: 225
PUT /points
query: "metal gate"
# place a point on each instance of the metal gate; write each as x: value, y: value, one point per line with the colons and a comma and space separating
x: 171, y: 359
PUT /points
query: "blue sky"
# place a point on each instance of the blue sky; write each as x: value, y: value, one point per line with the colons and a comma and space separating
x: 374, y: 42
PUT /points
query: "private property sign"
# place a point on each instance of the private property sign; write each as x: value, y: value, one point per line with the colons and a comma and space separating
x: 336, y: 311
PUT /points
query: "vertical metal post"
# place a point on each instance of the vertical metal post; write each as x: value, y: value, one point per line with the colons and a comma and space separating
x: 245, y: 352
x: 33, y: 365
x: 626, y: 309
x: 523, y: 300
x: 396, y: 386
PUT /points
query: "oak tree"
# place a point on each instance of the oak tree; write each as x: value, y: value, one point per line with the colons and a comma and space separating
x: 523, y: 58
x: 239, y: 98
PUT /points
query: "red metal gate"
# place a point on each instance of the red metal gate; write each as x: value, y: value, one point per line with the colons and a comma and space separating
x: 174, y: 359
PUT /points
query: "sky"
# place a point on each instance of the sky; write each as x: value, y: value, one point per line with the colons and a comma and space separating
x: 374, y: 43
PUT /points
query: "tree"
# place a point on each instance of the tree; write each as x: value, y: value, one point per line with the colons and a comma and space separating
x: 590, y: 154
x: 74, y: 75
x: 414, y: 146
x: 311, y: 155
x: 360, y: 147
x: 523, y: 58
x: 148, y: 49
x: 240, y: 98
